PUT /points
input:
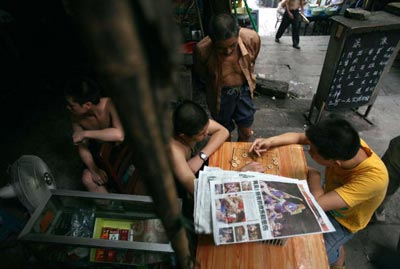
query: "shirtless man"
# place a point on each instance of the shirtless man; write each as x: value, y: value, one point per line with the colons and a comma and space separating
x: 94, y: 120
x: 192, y: 128
x: 225, y: 60
x: 291, y: 16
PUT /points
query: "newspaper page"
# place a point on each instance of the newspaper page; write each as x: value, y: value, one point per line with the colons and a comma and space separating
x: 202, y: 196
x: 253, y: 206
x: 202, y: 199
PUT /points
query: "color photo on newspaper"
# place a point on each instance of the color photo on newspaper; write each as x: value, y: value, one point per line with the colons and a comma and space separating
x: 263, y: 207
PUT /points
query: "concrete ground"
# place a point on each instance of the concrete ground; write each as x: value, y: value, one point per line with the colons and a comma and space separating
x: 38, y: 124
x: 302, y: 69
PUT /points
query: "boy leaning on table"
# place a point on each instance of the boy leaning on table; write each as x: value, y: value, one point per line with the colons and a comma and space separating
x: 355, y: 178
x: 193, y: 129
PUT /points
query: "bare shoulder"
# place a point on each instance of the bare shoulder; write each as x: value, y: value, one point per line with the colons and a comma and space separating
x: 106, y: 103
x: 250, y: 38
x: 203, y: 48
x: 180, y: 153
x: 176, y: 147
x: 248, y: 33
x: 215, y: 126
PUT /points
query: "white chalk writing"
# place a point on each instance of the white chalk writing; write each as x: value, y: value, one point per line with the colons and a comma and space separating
x: 359, y: 68
x: 349, y: 55
x: 357, y: 43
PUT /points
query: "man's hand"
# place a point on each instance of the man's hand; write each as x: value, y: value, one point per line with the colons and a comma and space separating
x: 260, y: 145
x: 254, y: 167
x: 195, y: 163
x: 78, y: 136
x: 99, y: 177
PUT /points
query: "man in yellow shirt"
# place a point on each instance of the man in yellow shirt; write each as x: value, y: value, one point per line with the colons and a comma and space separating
x: 355, y: 178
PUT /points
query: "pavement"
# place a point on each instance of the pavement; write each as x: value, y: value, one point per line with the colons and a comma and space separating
x: 37, y: 123
x: 302, y: 69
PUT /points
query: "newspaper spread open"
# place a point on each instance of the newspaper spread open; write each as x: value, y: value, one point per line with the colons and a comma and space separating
x: 247, y: 206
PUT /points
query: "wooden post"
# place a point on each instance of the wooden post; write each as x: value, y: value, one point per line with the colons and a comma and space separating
x: 135, y: 44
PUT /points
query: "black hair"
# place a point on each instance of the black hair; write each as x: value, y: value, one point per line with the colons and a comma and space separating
x: 189, y: 118
x: 334, y: 139
x: 222, y: 27
x: 82, y: 90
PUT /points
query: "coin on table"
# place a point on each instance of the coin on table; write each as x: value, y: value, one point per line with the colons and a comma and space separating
x: 244, y: 155
x: 238, y: 161
x: 234, y: 158
x: 270, y: 166
x: 234, y: 164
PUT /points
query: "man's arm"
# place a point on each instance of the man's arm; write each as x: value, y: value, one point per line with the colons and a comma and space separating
x: 87, y: 157
x: 113, y: 134
x: 98, y: 176
x: 328, y: 201
x: 182, y: 171
x: 263, y: 144
x: 281, y: 4
x: 302, y: 6
x: 218, y: 135
x: 287, y: 6
x: 257, y: 51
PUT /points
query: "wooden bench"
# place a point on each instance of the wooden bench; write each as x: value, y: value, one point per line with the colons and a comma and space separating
x: 116, y: 161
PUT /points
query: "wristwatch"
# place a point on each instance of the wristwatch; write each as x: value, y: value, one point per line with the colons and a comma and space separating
x: 203, y: 156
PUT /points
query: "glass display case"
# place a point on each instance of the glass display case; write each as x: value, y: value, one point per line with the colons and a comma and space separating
x: 91, y: 230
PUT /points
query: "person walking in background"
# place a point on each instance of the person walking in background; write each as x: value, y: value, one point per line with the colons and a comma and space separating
x: 291, y: 16
x: 225, y: 61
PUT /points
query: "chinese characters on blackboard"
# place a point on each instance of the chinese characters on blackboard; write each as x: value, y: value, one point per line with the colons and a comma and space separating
x: 359, y: 69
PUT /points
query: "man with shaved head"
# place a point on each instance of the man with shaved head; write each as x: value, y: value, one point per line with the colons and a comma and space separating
x: 224, y: 61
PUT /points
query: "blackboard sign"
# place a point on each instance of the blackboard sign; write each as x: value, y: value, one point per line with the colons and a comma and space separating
x: 360, y: 67
x: 359, y: 55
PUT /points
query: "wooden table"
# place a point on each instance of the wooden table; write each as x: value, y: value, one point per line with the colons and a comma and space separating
x: 298, y: 252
